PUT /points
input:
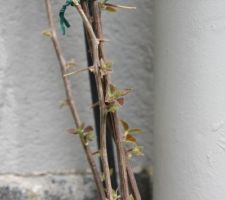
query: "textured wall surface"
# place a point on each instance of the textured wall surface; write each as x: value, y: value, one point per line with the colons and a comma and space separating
x: 59, y: 186
x: 47, y: 187
x: 189, y: 74
x: 32, y: 127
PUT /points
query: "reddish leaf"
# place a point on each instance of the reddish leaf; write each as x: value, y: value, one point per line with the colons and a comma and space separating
x: 71, y: 130
x: 130, y: 138
x: 124, y: 92
x: 120, y: 101
x: 88, y: 129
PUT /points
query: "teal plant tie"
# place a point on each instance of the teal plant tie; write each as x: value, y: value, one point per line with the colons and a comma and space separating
x: 62, y: 20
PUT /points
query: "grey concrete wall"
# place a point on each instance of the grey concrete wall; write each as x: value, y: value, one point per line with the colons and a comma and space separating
x: 189, y: 133
x: 32, y: 127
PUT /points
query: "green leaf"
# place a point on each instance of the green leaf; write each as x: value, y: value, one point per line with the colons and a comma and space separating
x: 82, y: 126
x: 134, y: 131
x: 112, y: 89
x: 80, y: 130
x: 63, y: 103
x: 103, y: 175
x: 120, y: 6
x: 111, y: 171
x: 113, y: 107
x: 137, y: 151
x: 124, y: 125
x: 70, y: 64
x: 47, y: 33
x: 120, y: 93
x: 129, y: 155
x: 109, y: 8
x: 114, y: 93
x: 106, y: 66
x: 131, y: 197
x: 116, y: 195
x: 97, y: 153
x: 75, y: 131
x: 88, y: 138
x: 88, y: 135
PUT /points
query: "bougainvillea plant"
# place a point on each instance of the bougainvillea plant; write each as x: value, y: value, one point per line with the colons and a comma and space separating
x: 110, y: 99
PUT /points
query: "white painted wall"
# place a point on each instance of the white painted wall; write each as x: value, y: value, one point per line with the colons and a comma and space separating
x: 189, y: 133
x: 32, y: 127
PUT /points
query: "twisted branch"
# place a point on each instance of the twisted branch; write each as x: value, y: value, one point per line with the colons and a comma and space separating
x: 71, y: 101
x: 103, y: 110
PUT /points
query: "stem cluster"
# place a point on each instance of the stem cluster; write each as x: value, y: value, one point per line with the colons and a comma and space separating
x: 127, y: 184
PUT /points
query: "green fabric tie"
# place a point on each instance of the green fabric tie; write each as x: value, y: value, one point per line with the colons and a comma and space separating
x: 62, y: 20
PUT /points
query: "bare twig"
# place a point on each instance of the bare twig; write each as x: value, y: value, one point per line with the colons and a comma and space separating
x: 132, y: 180
x: 124, y: 188
x: 79, y: 71
x: 120, y: 6
x: 103, y: 111
x: 131, y: 177
x: 121, y: 157
x: 71, y: 100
